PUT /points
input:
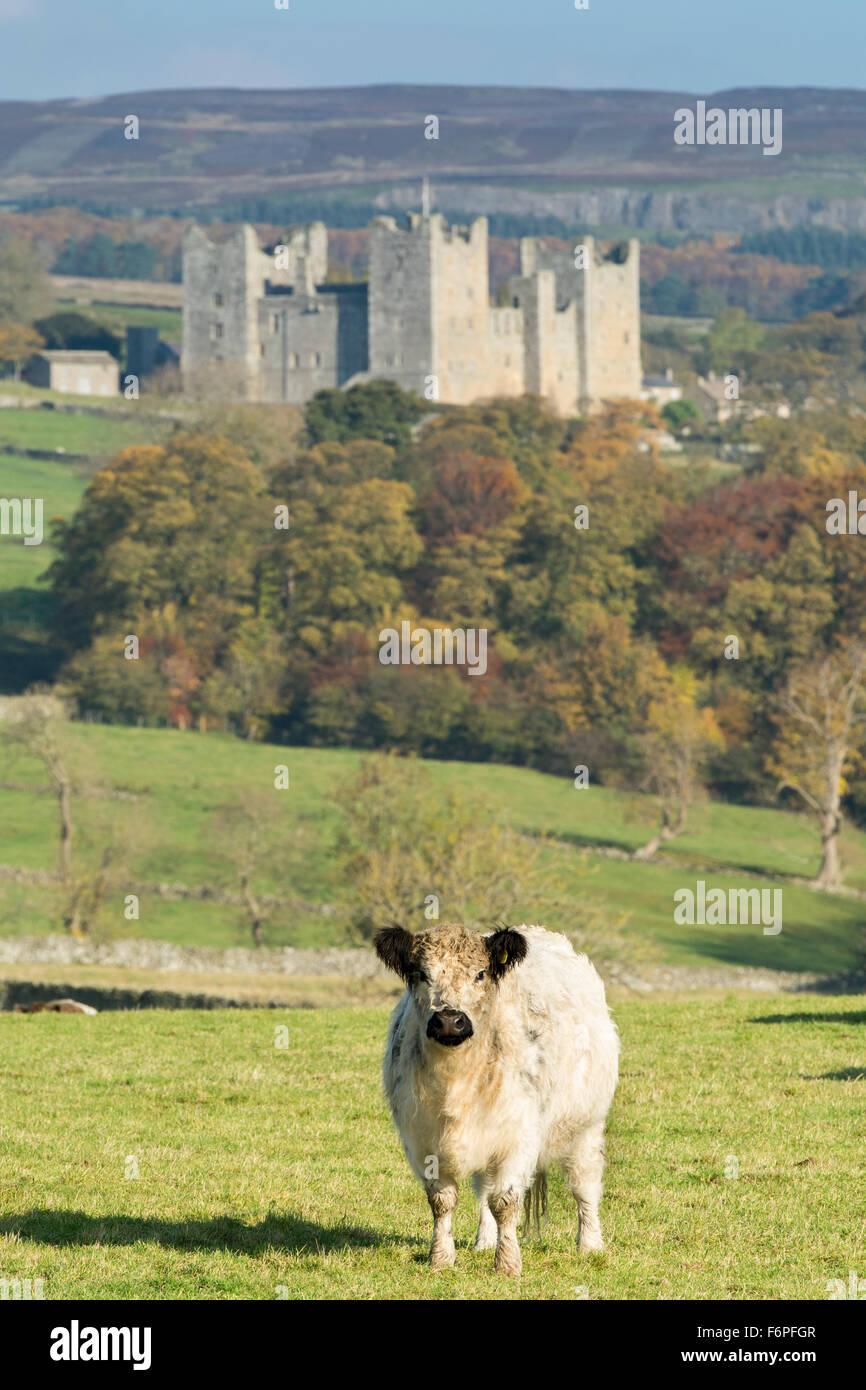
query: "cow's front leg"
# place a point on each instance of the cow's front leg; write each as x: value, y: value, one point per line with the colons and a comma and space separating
x: 442, y: 1196
x: 505, y: 1205
x: 486, y: 1236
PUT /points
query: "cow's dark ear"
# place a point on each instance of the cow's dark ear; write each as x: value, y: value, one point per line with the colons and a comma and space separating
x: 393, y: 946
x: 505, y: 949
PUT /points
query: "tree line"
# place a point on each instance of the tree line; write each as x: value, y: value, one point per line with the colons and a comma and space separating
x: 655, y: 624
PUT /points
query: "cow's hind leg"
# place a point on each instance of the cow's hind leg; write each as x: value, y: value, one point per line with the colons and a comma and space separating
x: 442, y: 1196
x: 584, y: 1167
x: 485, y: 1238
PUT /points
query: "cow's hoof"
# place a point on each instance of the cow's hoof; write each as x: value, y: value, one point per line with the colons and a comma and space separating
x: 442, y: 1257
x: 590, y: 1244
x: 507, y: 1260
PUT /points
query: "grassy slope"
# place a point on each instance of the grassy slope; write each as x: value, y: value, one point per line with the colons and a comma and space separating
x: 312, y: 1193
x: 78, y: 434
x: 183, y: 778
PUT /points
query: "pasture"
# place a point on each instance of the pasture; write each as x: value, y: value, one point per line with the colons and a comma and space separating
x: 159, y: 1155
x: 180, y: 780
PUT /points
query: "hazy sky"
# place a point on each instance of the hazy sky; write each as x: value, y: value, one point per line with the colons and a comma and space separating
x: 53, y: 48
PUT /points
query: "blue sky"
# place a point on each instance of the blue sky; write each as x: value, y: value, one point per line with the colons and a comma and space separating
x: 53, y: 48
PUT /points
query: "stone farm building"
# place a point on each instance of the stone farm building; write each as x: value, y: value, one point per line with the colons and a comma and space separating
x: 77, y: 371
x: 424, y: 320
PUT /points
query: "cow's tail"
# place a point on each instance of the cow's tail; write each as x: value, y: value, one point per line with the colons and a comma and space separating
x: 535, y: 1205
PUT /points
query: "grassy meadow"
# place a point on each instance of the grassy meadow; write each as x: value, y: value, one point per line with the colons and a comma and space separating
x: 175, y: 785
x: 183, y: 1155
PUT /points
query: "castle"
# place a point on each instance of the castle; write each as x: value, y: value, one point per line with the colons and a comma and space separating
x: 570, y: 330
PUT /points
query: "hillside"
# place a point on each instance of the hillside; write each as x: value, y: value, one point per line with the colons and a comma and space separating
x: 174, y: 786
x: 591, y: 157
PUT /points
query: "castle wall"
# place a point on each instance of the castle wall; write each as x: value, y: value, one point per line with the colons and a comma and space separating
x: 400, y: 302
x: 460, y: 310
x: 550, y: 336
x: 612, y: 330
x: 506, y: 352
x: 606, y: 295
x: 311, y: 342
x: 222, y: 285
x: 306, y: 250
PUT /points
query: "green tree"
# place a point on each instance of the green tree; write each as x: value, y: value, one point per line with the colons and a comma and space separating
x: 681, y: 412
x: 370, y: 410
x: 25, y: 290
x: 732, y: 335
x: 68, y: 329
x: 18, y: 342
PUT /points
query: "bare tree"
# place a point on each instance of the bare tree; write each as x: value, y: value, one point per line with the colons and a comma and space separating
x: 34, y: 725
x: 413, y: 852
x: 253, y: 842
x: 823, y: 712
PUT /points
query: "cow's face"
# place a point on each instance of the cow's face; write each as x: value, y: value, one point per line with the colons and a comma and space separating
x: 453, y: 974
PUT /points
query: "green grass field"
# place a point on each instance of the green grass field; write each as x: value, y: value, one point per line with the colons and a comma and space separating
x: 266, y: 1173
x: 77, y: 434
x: 182, y: 779
x: 118, y: 316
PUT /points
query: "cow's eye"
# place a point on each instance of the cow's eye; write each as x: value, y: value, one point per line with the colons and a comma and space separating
x: 479, y: 976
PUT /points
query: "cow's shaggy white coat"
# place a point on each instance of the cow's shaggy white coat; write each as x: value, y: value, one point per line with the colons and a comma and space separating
x: 530, y: 1087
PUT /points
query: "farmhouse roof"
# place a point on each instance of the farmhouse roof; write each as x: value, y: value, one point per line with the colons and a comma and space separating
x: 78, y: 356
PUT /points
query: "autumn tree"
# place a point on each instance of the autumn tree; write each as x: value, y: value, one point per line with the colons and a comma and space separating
x: 821, y: 718
x: 676, y: 742
x: 18, y: 342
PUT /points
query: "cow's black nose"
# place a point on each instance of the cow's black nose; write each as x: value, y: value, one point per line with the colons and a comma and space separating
x: 449, y: 1027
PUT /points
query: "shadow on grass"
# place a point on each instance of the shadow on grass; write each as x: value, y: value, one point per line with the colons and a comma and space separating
x: 811, y: 1018
x: 292, y: 1234
x: 847, y: 1074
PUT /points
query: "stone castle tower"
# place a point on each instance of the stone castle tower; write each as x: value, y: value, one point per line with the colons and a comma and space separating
x: 570, y: 332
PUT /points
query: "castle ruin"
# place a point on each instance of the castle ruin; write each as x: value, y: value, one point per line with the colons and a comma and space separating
x: 569, y: 332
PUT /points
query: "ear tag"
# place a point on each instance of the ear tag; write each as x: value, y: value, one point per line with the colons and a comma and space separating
x: 503, y: 958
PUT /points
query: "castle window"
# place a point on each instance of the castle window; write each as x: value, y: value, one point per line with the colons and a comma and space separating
x: 470, y: 324
x: 218, y: 299
x: 470, y: 293
x: 261, y: 349
x: 515, y: 302
x: 625, y: 337
x: 316, y: 359
x: 216, y: 330
x: 293, y: 359
x: 507, y: 360
x: 275, y: 323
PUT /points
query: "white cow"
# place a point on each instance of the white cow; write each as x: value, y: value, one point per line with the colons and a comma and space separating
x: 501, y: 1060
